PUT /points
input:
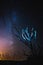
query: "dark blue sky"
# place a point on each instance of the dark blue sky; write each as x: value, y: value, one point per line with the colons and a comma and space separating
x: 22, y: 14
x: 26, y: 13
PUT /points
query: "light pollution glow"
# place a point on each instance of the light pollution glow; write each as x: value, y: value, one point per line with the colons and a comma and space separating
x: 6, y: 43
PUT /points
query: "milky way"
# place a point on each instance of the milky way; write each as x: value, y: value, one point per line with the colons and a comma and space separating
x: 7, y: 43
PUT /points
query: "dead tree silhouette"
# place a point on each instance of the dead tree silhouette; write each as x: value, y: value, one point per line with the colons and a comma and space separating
x: 35, y: 51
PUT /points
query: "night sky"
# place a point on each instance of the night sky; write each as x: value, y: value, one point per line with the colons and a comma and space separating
x: 22, y: 14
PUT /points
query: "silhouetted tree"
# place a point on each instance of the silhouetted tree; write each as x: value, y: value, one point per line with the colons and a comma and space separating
x: 35, y: 51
